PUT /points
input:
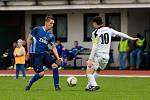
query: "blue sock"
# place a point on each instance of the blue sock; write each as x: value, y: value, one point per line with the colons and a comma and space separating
x: 75, y: 64
x: 56, y: 77
x: 35, y: 78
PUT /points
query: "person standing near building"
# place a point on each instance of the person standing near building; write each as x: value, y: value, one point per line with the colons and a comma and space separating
x: 138, y: 49
x: 38, y: 45
x: 99, y: 56
x: 123, y: 49
x: 20, y: 55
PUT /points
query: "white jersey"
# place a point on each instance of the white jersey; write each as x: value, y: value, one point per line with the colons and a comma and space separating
x: 102, y: 38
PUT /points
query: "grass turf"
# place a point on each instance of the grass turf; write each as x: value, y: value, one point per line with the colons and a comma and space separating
x: 112, y: 88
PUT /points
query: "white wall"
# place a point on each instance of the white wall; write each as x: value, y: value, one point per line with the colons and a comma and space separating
x: 75, y: 29
x: 138, y: 20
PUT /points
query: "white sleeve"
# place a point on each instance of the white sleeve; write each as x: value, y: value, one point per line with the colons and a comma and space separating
x: 121, y: 34
x: 95, y: 43
x: 93, y: 51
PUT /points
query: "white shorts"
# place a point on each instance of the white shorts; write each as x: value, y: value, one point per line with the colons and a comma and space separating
x: 100, y: 61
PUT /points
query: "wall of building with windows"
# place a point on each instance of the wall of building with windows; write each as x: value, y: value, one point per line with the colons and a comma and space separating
x: 72, y: 18
x: 72, y: 25
x: 76, y: 24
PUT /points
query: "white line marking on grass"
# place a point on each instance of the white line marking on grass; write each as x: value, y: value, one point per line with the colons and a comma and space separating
x: 83, y: 75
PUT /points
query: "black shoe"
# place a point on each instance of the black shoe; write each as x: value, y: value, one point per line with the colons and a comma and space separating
x: 86, y: 89
x: 28, y: 87
x: 94, y: 88
x: 57, y: 88
x: 97, y: 87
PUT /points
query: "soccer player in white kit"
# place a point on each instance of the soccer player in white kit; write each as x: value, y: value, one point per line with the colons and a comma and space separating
x: 99, y: 56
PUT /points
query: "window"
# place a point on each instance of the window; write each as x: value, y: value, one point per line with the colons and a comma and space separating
x: 38, y: 20
x: 113, y: 20
x: 60, y: 26
x: 88, y: 28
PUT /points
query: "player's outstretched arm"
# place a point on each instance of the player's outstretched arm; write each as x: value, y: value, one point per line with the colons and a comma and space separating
x: 135, y: 38
x: 123, y: 35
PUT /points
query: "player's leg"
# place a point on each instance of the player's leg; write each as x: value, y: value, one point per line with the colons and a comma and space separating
x: 101, y: 65
x: 100, y: 62
x: 51, y: 61
x: 91, y: 80
x: 95, y: 67
x: 37, y: 63
x: 95, y: 75
x: 55, y: 76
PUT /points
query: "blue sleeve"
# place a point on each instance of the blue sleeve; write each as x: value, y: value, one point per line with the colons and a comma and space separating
x: 34, y: 31
x: 81, y: 48
x: 52, y: 39
x: 62, y: 46
x: 71, y: 49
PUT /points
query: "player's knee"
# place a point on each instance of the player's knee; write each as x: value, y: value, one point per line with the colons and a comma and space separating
x: 54, y: 65
x: 90, y: 71
x: 41, y: 74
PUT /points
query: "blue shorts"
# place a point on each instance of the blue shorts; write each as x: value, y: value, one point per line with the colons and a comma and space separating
x: 40, y: 60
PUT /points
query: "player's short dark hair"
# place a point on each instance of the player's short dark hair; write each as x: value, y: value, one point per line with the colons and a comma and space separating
x: 48, y: 18
x: 58, y: 39
x: 97, y: 20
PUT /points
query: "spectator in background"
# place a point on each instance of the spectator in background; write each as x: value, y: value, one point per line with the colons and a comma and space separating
x: 123, y: 49
x: 6, y: 59
x: 19, y: 54
x: 59, y: 47
x: 62, y: 53
x: 75, y: 50
x: 24, y: 44
x: 65, y: 56
x: 71, y: 54
x: 139, y: 46
x: 27, y: 62
x: 14, y: 45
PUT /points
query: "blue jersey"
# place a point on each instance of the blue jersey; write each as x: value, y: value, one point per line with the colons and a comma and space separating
x: 76, y: 50
x: 40, y: 40
x: 64, y: 53
x: 59, y: 48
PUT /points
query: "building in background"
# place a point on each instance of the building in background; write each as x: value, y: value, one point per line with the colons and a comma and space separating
x: 72, y: 19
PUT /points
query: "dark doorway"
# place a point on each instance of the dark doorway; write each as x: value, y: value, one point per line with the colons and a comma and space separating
x: 12, y: 27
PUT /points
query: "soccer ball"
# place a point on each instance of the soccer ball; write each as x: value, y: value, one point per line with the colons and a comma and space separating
x: 72, y: 81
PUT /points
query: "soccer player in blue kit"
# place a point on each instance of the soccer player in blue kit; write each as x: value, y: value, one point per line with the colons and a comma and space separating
x: 37, y: 45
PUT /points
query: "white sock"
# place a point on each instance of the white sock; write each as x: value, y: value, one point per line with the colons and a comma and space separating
x: 88, y: 85
x: 95, y: 75
x: 92, y: 80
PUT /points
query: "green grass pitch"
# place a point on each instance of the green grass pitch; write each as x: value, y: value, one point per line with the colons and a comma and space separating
x: 112, y: 88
